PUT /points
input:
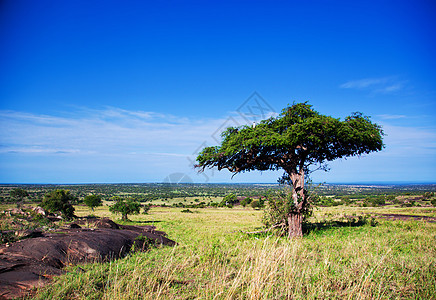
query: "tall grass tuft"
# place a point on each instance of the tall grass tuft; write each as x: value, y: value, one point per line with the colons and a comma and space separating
x: 393, y: 260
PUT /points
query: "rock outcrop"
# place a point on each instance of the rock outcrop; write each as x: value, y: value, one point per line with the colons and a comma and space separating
x: 33, y: 261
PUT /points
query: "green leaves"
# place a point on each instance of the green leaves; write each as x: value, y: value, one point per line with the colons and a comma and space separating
x: 297, y: 138
x: 59, y: 201
x: 125, y: 207
x: 93, y: 201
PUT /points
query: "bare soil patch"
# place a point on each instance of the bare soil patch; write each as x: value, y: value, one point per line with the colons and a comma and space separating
x: 32, y: 262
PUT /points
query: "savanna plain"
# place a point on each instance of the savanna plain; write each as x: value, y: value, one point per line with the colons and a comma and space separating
x: 349, y: 251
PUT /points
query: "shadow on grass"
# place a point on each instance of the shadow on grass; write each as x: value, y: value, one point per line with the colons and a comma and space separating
x: 320, y: 227
x: 346, y: 221
x: 130, y: 222
x: 147, y: 222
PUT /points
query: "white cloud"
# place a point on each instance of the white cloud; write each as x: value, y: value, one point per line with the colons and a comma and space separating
x: 381, y: 85
x: 391, y: 117
x: 364, y: 83
x: 109, y: 131
x: 409, y: 156
x: 112, y: 143
x: 402, y: 141
x: 390, y: 88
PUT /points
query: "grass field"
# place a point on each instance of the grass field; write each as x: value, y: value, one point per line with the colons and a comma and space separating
x: 215, y: 260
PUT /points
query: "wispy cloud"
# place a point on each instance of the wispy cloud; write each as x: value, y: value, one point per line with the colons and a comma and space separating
x: 151, y: 145
x: 410, y: 141
x: 382, y: 85
x: 108, y: 131
x: 364, y: 83
x: 106, y: 144
x: 391, y: 117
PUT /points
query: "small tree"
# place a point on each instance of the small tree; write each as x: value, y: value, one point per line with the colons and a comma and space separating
x: 428, y: 195
x: 255, y: 204
x: 125, y: 207
x: 93, y: 201
x: 59, y: 201
x: 246, y: 201
x: 146, y: 208
x: 229, y: 200
x: 19, y: 194
x: 297, y: 139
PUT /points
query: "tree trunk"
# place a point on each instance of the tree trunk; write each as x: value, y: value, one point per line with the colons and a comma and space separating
x: 295, y: 223
x: 295, y: 218
x: 297, y: 180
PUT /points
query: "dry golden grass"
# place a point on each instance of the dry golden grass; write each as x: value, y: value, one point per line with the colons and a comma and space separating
x: 214, y: 260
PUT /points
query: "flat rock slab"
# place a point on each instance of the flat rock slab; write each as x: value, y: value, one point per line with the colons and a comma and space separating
x: 33, y: 262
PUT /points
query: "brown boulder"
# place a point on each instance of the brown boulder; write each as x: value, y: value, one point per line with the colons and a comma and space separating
x: 40, y: 211
x: 32, y: 262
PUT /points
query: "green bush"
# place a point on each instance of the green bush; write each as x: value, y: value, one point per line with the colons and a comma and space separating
x: 59, y: 201
x: 19, y: 195
x: 93, y: 201
x: 255, y: 204
x: 146, y: 208
x: 228, y: 201
x: 428, y: 195
x: 125, y: 207
x: 246, y: 201
x: 375, y: 201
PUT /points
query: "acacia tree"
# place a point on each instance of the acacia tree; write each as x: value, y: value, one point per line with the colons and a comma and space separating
x: 93, y: 201
x: 297, y: 139
x: 125, y: 207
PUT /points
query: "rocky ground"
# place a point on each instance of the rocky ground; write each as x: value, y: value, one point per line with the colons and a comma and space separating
x: 41, y: 254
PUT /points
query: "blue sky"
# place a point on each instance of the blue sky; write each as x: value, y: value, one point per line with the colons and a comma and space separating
x: 129, y: 91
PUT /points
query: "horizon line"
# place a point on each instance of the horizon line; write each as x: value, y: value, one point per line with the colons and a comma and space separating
x: 236, y: 183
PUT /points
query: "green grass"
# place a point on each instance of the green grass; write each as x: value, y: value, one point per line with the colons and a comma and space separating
x: 215, y: 260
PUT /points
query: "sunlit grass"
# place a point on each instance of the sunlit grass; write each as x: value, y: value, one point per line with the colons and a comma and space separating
x: 215, y: 260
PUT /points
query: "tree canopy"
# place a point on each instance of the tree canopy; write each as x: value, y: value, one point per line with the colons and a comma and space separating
x: 125, y: 207
x: 19, y: 194
x: 93, y: 201
x: 59, y: 201
x: 298, y: 138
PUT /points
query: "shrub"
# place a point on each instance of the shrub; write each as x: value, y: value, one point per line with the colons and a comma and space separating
x: 391, y: 198
x: 59, y: 201
x: 279, y: 205
x: 19, y: 194
x: 146, y: 208
x: 246, y: 201
x: 428, y: 195
x: 255, y: 204
x: 326, y: 201
x: 228, y: 201
x: 376, y: 201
